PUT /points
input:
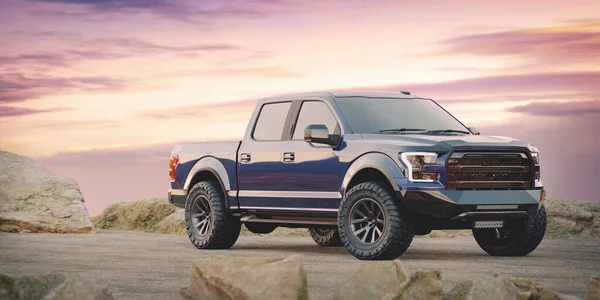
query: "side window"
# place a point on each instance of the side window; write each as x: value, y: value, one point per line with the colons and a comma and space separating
x: 271, y: 120
x: 313, y: 112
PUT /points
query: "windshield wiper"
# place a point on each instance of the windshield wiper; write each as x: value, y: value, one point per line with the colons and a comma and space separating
x: 400, y: 130
x: 448, y: 131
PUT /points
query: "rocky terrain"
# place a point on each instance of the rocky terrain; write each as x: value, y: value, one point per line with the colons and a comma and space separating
x: 566, y: 219
x: 33, y: 199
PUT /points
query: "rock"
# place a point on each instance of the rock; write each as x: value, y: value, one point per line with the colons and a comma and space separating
x: 33, y: 199
x: 593, y: 288
x: 50, y: 287
x: 533, y: 290
x: 422, y: 285
x: 374, y: 281
x: 173, y: 223
x: 142, y: 215
x: 240, y: 278
x: 483, y: 287
x: 568, y: 218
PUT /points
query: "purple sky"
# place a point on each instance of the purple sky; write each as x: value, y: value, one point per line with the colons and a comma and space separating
x: 101, y: 90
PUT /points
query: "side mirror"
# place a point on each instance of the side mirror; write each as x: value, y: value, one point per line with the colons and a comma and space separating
x: 474, y: 130
x: 319, y: 134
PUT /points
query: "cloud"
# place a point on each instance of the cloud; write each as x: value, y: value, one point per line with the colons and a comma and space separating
x: 15, y: 87
x: 265, y: 72
x: 549, y: 45
x: 580, y: 82
x: 219, y: 111
x: 559, y: 109
x: 137, y: 45
x: 178, y: 10
x: 12, y: 111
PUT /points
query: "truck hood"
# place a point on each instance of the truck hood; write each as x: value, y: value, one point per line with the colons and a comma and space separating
x: 427, y: 142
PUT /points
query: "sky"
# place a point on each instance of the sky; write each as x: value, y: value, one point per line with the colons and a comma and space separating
x: 101, y: 90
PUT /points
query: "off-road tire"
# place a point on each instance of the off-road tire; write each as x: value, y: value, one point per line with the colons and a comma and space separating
x: 396, y: 235
x: 526, y: 239
x: 224, y: 229
x: 260, y: 228
x: 326, y: 237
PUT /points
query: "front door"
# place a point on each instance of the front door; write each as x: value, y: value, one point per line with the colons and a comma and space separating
x: 309, y: 173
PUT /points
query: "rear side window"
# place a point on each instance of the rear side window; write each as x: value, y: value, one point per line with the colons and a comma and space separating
x: 314, y: 113
x: 271, y: 120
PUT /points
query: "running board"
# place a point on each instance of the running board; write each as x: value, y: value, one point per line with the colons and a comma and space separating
x: 255, y: 219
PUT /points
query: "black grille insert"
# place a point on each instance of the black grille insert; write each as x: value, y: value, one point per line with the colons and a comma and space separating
x: 479, y: 170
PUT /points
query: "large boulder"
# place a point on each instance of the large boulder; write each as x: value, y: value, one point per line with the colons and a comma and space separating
x: 51, y: 287
x: 373, y: 281
x: 245, y: 278
x: 33, y: 199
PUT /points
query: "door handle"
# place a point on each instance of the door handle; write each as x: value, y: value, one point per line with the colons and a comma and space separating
x: 245, y: 157
x: 288, y: 156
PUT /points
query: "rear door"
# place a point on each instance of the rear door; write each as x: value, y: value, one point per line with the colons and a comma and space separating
x: 259, y: 158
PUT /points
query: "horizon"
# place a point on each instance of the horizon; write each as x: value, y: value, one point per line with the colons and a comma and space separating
x: 100, y: 91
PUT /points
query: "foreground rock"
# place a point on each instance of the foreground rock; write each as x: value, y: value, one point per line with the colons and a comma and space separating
x: 373, y: 281
x: 594, y: 288
x: 222, y: 277
x: 390, y: 281
x: 483, y: 287
x: 50, y: 287
x: 33, y: 199
x: 529, y: 290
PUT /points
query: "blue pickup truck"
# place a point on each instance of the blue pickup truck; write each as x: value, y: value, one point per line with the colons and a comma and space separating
x: 366, y: 171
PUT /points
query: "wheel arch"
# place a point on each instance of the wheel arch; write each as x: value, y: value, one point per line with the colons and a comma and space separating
x: 373, y: 166
x: 209, y: 169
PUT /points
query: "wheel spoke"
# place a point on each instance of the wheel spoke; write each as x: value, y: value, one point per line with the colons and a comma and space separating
x: 361, y: 213
x: 197, y: 215
x: 373, y: 235
x: 364, y: 238
x: 356, y: 221
x: 357, y: 232
x: 378, y: 230
x: 368, y: 211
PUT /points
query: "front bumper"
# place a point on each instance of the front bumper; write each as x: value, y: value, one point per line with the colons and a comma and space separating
x: 473, y: 204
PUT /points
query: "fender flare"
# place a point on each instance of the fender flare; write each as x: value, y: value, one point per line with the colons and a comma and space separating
x: 211, y: 164
x: 375, y: 160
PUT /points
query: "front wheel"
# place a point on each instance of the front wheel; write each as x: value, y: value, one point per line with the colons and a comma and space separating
x: 517, y: 238
x: 372, y: 224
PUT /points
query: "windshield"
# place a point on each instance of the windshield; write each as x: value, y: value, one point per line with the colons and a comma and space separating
x: 396, y: 115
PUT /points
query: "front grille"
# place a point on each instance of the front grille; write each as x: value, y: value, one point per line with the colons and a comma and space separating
x: 466, y: 170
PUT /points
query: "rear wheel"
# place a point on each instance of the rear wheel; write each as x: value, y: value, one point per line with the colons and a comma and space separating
x: 372, y: 224
x: 207, y: 221
x: 517, y: 238
x: 326, y: 237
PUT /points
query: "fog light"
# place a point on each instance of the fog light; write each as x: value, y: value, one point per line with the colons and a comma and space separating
x: 488, y: 224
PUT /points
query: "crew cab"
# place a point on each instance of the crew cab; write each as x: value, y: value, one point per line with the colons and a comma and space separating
x: 362, y: 170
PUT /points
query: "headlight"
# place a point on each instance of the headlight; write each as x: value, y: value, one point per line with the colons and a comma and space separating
x: 536, y: 161
x: 536, y: 157
x: 415, y: 162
